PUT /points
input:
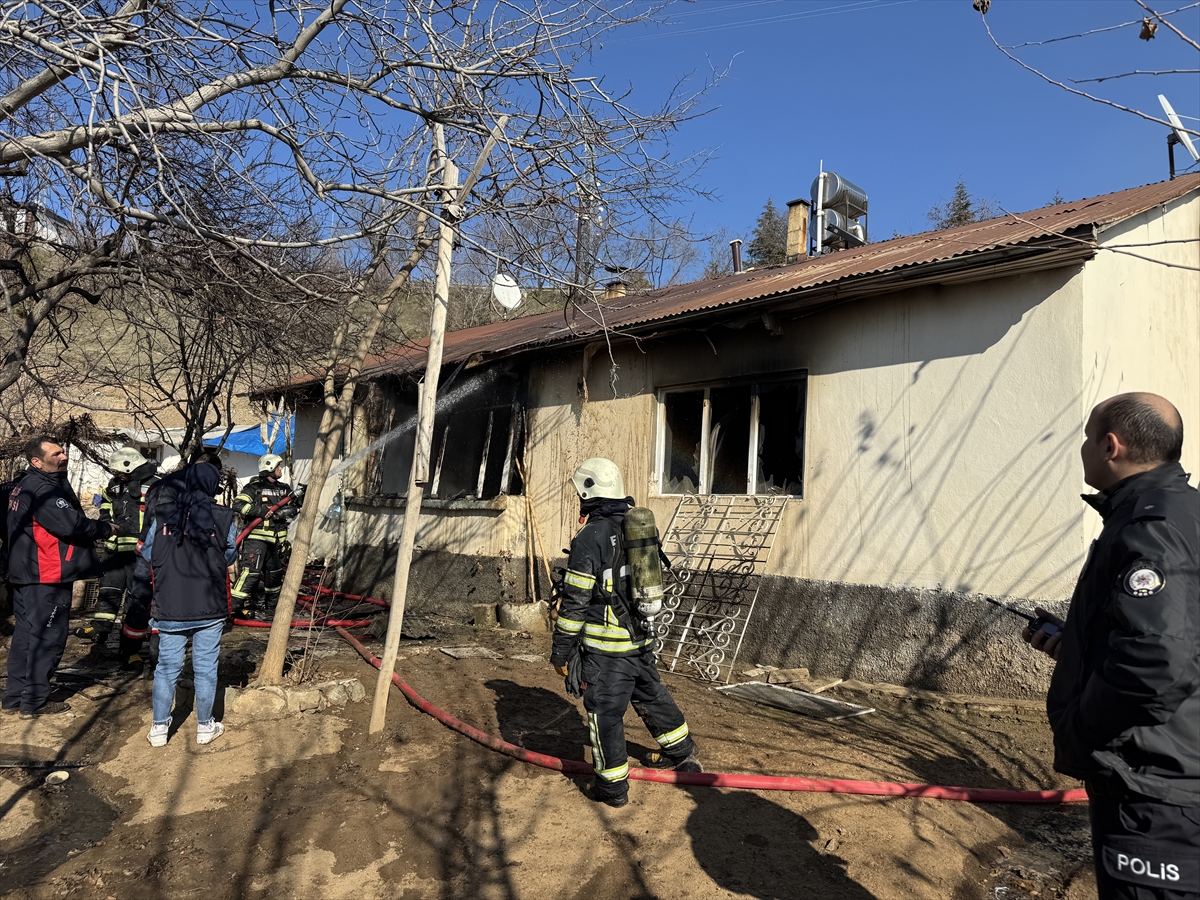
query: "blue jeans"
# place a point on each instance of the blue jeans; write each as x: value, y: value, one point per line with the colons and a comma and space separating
x: 206, y: 648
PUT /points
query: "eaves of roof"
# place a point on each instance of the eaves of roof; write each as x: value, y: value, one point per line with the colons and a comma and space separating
x: 1049, y: 237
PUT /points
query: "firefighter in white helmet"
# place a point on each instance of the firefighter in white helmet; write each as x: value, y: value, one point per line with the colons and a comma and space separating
x: 604, y: 648
x: 123, y: 502
x: 263, y: 555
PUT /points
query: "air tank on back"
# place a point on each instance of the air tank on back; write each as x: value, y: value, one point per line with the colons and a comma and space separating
x: 840, y: 194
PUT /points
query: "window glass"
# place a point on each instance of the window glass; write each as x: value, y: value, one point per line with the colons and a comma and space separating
x: 681, y: 447
x: 781, y: 438
x: 729, y: 439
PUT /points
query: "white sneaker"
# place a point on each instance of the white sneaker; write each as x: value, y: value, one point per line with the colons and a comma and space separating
x: 158, y: 734
x: 206, y: 734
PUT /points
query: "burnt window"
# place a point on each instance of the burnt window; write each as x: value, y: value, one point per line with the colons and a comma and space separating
x: 477, y: 434
x: 742, y: 438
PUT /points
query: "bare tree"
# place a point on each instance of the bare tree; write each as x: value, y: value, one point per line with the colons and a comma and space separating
x: 1144, y: 26
x: 323, y: 113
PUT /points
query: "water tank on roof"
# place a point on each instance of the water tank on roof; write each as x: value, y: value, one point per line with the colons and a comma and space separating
x: 840, y: 194
x: 835, y: 219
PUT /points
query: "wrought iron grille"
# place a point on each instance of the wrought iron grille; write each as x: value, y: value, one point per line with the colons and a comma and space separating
x: 719, y: 547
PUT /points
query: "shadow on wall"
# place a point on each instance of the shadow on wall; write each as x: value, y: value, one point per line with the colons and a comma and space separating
x: 915, y: 513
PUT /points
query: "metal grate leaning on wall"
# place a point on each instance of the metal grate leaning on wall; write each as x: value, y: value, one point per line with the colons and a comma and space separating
x: 718, y: 546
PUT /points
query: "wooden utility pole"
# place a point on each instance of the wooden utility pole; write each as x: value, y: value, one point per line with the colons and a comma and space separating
x: 426, y: 408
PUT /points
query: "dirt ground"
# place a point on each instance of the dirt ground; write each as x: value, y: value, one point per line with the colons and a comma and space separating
x: 310, y: 806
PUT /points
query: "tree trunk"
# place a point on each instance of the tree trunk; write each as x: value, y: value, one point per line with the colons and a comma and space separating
x: 333, y: 420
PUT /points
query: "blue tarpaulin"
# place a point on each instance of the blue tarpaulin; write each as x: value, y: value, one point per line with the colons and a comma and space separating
x: 248, y: 438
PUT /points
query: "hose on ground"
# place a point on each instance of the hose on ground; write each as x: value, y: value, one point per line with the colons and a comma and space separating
x: 722, y: 779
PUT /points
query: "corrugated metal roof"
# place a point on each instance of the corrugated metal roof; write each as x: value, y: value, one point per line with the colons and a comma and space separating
x: 834, y: 269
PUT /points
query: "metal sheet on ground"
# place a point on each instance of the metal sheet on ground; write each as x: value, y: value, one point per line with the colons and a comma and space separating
x: 471, y: 653
x: 802, y: 702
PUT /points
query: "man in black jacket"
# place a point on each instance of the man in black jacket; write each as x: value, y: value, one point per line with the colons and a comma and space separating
x: 1124, y: 700
x: 51, y: 545
x: 598, y: 621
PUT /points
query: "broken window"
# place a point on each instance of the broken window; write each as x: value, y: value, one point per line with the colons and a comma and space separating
x: 743, y: 438
x: 477, y: 433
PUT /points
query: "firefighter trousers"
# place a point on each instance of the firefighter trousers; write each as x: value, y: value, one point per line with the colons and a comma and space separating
x: 612, y: 683
x: 115, y: 579
x: 260, y: 577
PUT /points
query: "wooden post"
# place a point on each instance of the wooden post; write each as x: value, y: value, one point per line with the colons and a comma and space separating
x: 419, y: 473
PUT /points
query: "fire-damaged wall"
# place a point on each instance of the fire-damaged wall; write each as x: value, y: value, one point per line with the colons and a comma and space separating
x: 927, y: 441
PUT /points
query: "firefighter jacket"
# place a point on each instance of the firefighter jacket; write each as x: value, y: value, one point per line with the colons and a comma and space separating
x: 595, y: 608
x: 124, y: 502
x: 191, y: 577
x: 1124, y: 700
x: 255, y: 499
x: 50, y: 539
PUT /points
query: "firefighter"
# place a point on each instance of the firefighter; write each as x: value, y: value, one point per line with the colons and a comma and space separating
x: 264, y: 553
x: 605, y: 649
x: 123, y: 504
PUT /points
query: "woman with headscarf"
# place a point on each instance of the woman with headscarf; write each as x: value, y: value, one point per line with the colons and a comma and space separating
x: 190, y: 546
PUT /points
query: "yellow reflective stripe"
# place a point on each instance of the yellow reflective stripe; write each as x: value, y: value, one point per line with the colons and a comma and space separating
x: 596, y: 643
x: 597, y: 750
x: 239, y: 588
x: 605, y: 631
x: 107, y: 617
x: 672, y: 737
x: 579, y: 580
x: 569, y: 626
x: 617, y: 773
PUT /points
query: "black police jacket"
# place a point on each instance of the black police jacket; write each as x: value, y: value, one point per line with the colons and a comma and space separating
x: 1124, y: 700
x: 50, y: 540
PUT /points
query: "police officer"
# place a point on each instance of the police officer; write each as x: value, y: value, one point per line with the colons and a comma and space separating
x: 1124, y: 700
x: 263, y: 554
x: 615, y: 646
x: 51, y: 545
x: 123, y: 503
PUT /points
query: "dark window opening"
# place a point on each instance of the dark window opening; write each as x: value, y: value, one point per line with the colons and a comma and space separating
x: 684, y: 420
x: 734, y: 439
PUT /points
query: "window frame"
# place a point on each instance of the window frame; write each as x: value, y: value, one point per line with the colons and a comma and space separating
x: 755, y: 382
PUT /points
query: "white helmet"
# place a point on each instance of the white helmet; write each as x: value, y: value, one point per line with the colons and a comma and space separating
x: 125, y: 460
x: 599, y: 477
x: 268, y: 462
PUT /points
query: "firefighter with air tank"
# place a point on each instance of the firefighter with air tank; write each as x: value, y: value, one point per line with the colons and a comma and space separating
x: 270, y: 505
x: 123, y: 503
x: 604, y: 641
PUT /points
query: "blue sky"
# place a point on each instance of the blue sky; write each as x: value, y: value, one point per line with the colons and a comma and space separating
x: 905, y: 98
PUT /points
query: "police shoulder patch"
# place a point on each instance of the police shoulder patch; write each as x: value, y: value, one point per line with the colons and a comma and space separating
x: 1144, y: 579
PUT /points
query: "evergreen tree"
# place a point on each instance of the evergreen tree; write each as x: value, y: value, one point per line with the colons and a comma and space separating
x: 768, y: 243
x: 961, y: 209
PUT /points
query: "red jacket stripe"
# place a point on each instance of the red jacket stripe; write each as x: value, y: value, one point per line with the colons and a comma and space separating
x: 49, y: 562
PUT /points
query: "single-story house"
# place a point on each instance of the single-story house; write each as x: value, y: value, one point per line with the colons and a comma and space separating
x: 850, y: 454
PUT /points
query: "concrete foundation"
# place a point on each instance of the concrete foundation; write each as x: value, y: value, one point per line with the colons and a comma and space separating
x: 929, y: 639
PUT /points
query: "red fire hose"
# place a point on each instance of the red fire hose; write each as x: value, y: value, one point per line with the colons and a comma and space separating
x: 727, y: 780
x: 318, y: 589
x: 270, y: 512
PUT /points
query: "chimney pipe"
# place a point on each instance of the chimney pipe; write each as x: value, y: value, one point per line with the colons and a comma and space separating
x: 614, y: 289
x: 797, y: 230
x: 736, y: 246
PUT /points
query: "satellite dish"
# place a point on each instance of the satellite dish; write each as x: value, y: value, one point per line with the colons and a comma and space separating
x: 1184, y: 137
x: 506, y: 291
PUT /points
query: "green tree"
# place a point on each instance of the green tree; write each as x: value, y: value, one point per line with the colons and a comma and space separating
x: 961, y: 209
x: 768, y: 242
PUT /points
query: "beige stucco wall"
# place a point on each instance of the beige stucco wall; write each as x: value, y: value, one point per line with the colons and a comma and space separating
x: 1141, y: 319
x: 943, y: 423
x: 941, y: 432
